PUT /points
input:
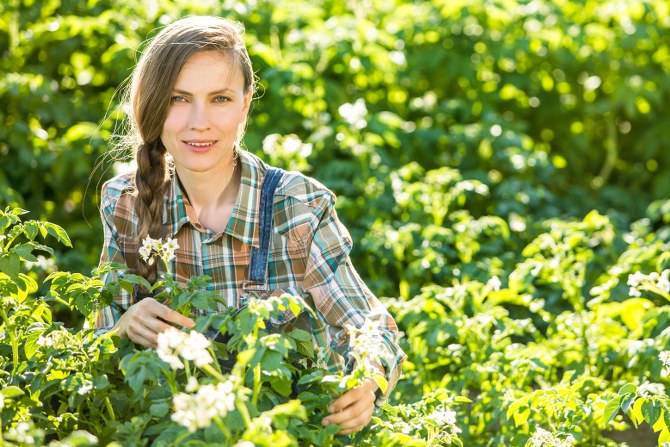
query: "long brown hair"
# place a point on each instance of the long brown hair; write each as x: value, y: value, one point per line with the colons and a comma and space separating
x: 149, y: 95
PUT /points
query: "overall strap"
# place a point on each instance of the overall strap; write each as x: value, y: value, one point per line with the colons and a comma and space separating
x: 258, y: 265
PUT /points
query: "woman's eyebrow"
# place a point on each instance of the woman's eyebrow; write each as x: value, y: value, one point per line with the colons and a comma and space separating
x: 215, y: 92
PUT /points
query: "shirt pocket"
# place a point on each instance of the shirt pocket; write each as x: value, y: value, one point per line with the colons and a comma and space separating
x: 293, y: 243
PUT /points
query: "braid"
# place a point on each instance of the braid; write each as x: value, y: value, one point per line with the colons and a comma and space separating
x: 150, y: 181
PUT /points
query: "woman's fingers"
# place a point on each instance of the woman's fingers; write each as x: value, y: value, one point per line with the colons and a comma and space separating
x: 353, y: 410
x: 173, y: 316
x: 143, y: 321
x: 352, y: 418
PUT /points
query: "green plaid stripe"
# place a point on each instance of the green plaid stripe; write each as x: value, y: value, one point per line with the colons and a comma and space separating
x: 309, y: 253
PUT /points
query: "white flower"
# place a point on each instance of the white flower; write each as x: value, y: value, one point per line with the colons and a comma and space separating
x: 195, y: 411
x: 20, y: 433
x: 366, y: 342
x: 170, y: 343
x: 270, y: 143
x: 2, y: 401
x: 544, y: 438
x: 147, y: 248
x: 194, y: 348
x: 292, y: 144
x: 169, y: 248
x: 663, y: 282
x: 541, y: 437
x: 494, y: 283
x: 446, y: 418
x: 44, y: 341
x: 651, y: 389
x: 84, y: 389
x: 245, y: 444
x: 355, y: 113
x: 664, y: 357
x: 654, y: 280
x: 192, y: 385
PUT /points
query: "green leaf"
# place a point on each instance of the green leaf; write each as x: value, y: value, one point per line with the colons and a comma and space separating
x: 381, y: 381
x: 159, y: 409
x: 513, y: 407
x: 521, y: 418
x: 301, y: 335
x: 11, y: 392
x: 59, y: 233
x: 312, y: 377
x: 30, y: 346
x: 626, y: 401
x: 200, y: 300
x: 651, y: 411
x: 10, y: 264
x: 628, y: 388
x: 271, y: 361
x: 25, y: 251
x: 281, y: 385
x: 30, y: 229
x: 636, y: 414
x: 664, y: 436
x: 611, y: 409
x: 129, y: 280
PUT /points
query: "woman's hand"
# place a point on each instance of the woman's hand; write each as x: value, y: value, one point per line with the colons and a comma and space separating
x: 353, y: 410
x: 144, y: 320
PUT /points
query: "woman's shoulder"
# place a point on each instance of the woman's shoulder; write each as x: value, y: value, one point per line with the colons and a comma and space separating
x: 117, y: 195
x: 118, y: 185
x: 305, y: 189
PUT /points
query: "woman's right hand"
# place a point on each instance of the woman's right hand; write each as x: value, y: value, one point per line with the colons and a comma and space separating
x: 144, y: 320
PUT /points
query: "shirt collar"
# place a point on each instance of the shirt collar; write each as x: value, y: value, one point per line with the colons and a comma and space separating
x: 243, y: 222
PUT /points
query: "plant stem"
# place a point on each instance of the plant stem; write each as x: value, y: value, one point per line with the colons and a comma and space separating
x: 244, y: 412
x: 257, y: 383
x: 214, y: 373
x: 223, y: 428
x: 110, y: 409
x: 12, y: 338
x: 182, y: 437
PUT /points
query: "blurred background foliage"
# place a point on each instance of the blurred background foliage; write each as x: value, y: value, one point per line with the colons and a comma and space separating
x: 450, y: 129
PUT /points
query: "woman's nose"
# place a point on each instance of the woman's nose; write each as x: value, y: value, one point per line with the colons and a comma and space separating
x: 198, y: 119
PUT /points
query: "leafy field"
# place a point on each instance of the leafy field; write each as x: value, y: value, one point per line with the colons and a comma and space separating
x: 503, y: 169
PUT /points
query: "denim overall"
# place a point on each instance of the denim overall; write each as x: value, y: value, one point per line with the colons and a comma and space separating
x: 257, y: 280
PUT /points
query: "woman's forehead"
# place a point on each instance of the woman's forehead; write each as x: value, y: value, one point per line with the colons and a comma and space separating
x: 209, y: 70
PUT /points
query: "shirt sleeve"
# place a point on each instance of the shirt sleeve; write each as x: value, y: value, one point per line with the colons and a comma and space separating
x: 111, y: 252
x: 340, y: 295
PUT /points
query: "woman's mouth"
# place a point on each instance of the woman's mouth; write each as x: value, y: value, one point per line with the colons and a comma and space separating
x: 200, y: 146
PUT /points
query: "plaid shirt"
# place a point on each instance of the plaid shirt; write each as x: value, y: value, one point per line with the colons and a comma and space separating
x: 309, y: 254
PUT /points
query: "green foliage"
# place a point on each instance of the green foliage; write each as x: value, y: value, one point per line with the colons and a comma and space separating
x: 466, y: 140
x: 76, y: 387
x: 553, y: 107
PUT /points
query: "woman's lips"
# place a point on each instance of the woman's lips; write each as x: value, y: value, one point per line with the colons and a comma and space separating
x: 200, y: 145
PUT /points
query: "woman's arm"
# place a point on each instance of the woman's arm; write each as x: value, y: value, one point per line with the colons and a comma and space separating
x: 342, y: 299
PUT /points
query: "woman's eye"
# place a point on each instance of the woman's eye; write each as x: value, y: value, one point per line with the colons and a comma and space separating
x: 178, y: 99
x: 221, y: 99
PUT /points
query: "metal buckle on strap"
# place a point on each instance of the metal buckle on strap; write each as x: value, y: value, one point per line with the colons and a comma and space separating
x: 255, y: 286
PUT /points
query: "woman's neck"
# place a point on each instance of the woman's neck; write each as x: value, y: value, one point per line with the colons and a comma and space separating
x: 211, y: 190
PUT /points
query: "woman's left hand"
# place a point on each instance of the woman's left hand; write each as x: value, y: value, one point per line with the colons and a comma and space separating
x: 353, y: 410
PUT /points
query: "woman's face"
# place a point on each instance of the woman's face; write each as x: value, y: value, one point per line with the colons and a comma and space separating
x: 207, y: 107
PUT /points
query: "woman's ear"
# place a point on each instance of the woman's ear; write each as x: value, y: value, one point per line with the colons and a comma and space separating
x: 247, y: 101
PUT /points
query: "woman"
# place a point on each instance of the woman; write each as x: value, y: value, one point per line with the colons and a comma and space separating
x: 190, y: 95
